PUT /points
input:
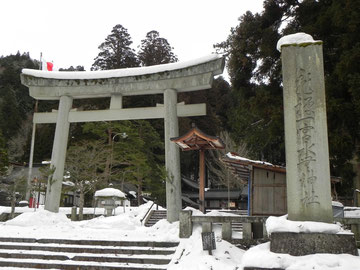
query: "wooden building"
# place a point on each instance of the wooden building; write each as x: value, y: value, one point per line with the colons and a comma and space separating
x: 214, y: 198
x: 266, y: 184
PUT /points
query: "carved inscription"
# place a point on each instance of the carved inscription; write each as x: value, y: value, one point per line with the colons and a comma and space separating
x: 305, y: 123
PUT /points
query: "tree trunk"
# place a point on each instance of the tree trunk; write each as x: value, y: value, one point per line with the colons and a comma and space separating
x: 13, y: 201
x: 109, y: 158
x: 139, y: 192
x: 81, y: 204
x: 356, y: 180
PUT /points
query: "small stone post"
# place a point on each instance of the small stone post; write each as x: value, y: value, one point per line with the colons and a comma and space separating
x: 73, y: 213
x: 185, y: 229
x: 306, y: 139
x: 226, y: 231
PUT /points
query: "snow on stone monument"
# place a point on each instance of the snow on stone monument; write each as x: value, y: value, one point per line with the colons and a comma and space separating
x: 306, y: 139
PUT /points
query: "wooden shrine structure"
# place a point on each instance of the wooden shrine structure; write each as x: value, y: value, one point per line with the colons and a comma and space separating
x: 195, y: 139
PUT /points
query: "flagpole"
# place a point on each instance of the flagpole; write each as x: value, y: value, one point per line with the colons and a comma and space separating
x: 40, y: 61
x: 31, y: 158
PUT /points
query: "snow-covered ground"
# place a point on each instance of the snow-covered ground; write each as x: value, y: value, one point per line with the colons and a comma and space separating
x: 189, y: 254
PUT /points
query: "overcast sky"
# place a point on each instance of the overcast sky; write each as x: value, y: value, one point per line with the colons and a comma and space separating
x: 68, y: 32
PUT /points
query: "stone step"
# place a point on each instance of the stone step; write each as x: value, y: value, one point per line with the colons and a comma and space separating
x: 84, y: 254
x: 155, y: 216
x: 21, y: 254
x: 91, y: 242
x: 70, y: 265
x: 237, y: 227
x: 89, y: 249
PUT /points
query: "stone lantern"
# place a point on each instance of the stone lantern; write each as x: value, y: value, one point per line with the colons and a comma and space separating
x: 109, y: 199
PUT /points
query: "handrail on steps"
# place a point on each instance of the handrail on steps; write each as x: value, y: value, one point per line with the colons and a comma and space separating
x: 147, y: 212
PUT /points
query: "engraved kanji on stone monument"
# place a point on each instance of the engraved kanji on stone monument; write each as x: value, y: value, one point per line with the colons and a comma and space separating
x: 305, y: 128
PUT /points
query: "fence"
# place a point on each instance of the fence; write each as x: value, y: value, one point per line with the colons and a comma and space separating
x: 253, y: 226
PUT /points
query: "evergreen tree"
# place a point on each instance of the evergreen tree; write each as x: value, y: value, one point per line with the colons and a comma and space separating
x: 115, y: 51
x: 155, y: 50
x: 15, y: 102
x: 71, y: 68
x: 136, y: 157
x: 255, y: 71
x: 3, y: 156
x: 254, y: 68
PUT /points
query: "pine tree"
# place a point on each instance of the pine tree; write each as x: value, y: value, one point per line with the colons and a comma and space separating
x: 115, y: 51
x: 155, y: 50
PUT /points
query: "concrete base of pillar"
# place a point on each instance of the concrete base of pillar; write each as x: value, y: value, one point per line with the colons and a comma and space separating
x: 301, y: 244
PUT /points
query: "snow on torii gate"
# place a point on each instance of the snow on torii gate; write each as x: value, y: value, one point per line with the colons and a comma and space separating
x: 167, y: 79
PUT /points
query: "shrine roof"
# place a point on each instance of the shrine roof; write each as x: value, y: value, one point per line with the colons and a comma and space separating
x: 195, y: 139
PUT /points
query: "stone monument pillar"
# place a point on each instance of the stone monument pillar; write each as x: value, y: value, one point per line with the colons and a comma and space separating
x: 306, y: 139
x: 58, y: 155
x: 172, y: 157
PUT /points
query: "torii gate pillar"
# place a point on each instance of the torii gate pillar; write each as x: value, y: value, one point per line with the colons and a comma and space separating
x: 58, y: 154
x: 172, y: 157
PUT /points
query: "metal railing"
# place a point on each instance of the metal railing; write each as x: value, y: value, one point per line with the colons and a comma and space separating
x: 146, y: 214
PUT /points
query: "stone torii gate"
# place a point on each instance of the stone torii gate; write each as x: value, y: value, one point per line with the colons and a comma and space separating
x: 167, y: 79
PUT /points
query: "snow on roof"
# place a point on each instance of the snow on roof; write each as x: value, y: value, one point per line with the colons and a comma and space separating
x: 68, y: 183
x: 22, y: 202
x: 297, y: 38
x: 338, y: 204
x: 115, y: 73
x: 109, y: 192
x: 133, y: 193
x: 236, y: 157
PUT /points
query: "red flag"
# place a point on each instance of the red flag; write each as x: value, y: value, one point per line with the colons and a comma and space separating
x: 47, y: 65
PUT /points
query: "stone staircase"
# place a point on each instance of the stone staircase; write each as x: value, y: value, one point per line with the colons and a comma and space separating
x: 32, y: 253
x: 237, y: 226
x: 154, y: 216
